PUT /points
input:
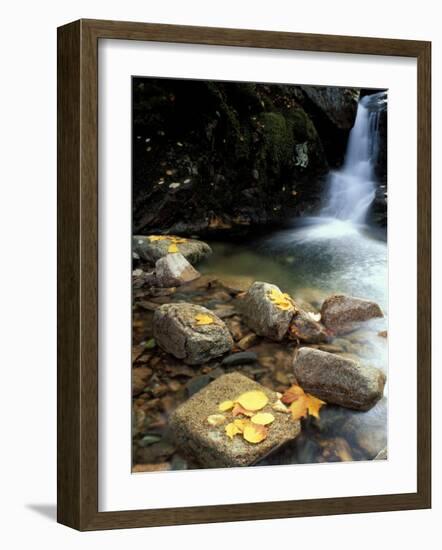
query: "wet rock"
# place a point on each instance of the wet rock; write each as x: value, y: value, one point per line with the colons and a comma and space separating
x: 241, y: 358
x: 152, y: 250
x: 248, y: 341
x: 178, y: 331
x: 236, y: 283
x: 140, y: 378
x: 305, y: 328
x: 337, y: 380
x: 194, y: 385
x: 339, y: 105
x: 141, y: 278
x: 174, y: 270
x: 341, y: 313
x: 209, y: 445
x: 262, y: 315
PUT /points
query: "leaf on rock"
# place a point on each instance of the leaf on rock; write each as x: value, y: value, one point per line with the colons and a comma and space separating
x: 204, y: 319
x: 153, y: 238
x: 263, y: 418
x: 232, y: 430
x: 279, y: 406
x: 173, y: 248
x: 226, y: 406
x: 314, y: 404
x: 241, y: 423
x: 253, y: 400
x: 292, y: 394
x: 280, y: 299
x: 254, y: 433
x: 237, y: 410
x: 216, y: 419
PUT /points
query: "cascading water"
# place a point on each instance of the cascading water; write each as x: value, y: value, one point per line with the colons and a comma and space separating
x: 352, y: 188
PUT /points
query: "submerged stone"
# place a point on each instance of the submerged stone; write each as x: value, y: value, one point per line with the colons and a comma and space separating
x: 153, y: 247
x: 338, y: 380
x: 190, y: 332
x: 210, y: 445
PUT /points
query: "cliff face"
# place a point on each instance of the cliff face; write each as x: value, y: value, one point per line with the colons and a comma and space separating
x: 220, y: 157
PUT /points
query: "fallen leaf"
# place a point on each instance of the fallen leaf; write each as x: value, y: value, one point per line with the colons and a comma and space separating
x: 299, y: 408
x: 232, y: 430
x: 226, y: 406
x: 279, y: 406
x: 216, y: 419
x: 280, y: 299
x: 204, y: 319
x: 254, y: 433
x: 237, y: 409
x: 263, y: 418
x: 241, y: 423
x: 292, y: 394
x: 153, y: 238
x: 173, y: 248
x: 314, y: 404
x: 253, y: 400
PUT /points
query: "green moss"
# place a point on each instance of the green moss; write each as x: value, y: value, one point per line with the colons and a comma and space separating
x: 303, y: 127
x: 278, y: 140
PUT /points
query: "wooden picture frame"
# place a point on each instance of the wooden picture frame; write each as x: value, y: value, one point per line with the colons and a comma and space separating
x: 78, y: 274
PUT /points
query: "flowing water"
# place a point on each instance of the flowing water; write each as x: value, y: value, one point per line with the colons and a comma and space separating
x: 331, y: 253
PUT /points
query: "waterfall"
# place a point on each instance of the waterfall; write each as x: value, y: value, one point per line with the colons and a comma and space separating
x: 352, y: 188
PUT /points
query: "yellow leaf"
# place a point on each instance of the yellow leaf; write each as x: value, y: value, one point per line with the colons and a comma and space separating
x: 241, y: 423
x: 280, y: 299
x: 204, y: 319
x: 172, y: 248
x: 299, y: 408
x: 292, y: 394
x: 254, y: 433
x: 237, y: 409
x: 232, y: 430
x: 216, y: 419
x: 263, y: 418
x: 226, y: 406
x: 253, y: 400
x: 279, y: 406
x: 154, y: 238
x: 313, y: 405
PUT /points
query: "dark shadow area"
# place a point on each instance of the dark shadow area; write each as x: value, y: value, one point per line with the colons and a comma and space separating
x: 48, y: 511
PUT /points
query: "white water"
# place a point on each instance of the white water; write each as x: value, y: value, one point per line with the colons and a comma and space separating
x: 352, y: 188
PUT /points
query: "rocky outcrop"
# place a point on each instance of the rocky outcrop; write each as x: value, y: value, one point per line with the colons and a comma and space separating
x: 209, y: 444
x: 151, y: 248
x: 338, y: 380
x: 341, y: 314
x: 190, y: 332
x: 339, y: 105
x: 275, y: 315
x: 174, y: 270
x: 263, y: 315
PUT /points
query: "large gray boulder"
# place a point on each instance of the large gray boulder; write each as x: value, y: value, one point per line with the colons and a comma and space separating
x: 339, y: 105
x: 338, y: 380
x: 263, y: 315
x: 341, y: 313
x: 153, y: 247
x: 174, y: 270
x: 190, y: 332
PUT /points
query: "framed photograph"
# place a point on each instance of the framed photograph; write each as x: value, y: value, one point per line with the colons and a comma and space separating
x: 243, y: 275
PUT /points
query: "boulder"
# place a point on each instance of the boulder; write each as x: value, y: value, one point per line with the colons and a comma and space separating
x: 338, y: 380
x: 305, y: 327
x: 262, y: 315
x: 190, y: 332
x: 339, y: 105
x: 341, y: 313
x: 210, y: 445
x: 153, y: 247
x: 174, y: 270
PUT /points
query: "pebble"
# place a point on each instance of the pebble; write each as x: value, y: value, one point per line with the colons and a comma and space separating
x: 241, y: 358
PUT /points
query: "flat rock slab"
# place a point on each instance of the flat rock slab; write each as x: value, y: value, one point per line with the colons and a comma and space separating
x: 341, y: 313
x: 337, y: 380
x: 153, y: 247
x: 177, y: 331
x: 174, y: 270
x: 263, y: 316
x: 210, y: 445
